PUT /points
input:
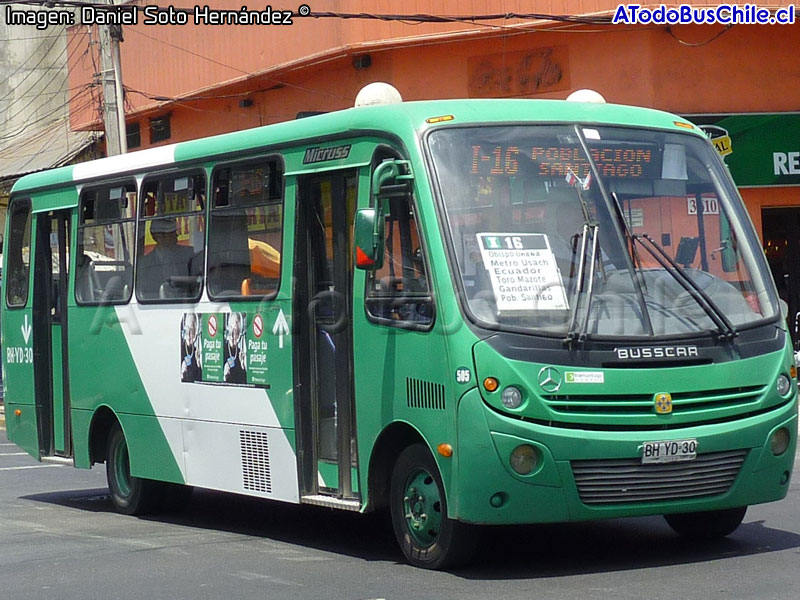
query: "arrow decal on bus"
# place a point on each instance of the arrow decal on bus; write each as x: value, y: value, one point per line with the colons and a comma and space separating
x: 281, y: 327
x: 26, y: 330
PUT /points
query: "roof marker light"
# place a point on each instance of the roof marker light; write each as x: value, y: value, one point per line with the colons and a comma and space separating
x: 441, y: 119
x: 376, y: 93
x: 586, y: 96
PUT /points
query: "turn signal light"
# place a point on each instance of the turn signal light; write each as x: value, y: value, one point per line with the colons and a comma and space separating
x: 490, y: 384
x: 445, y: 450
x: 793, y: 372
x: 17, y: 412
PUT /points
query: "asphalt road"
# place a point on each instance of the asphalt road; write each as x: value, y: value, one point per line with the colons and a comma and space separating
x: 59, y: 538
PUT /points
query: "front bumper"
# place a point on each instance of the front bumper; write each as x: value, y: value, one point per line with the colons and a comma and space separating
x: 489, y: 491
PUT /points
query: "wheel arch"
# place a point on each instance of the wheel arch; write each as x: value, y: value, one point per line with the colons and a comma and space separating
x: 102, y: 421
x: 395, y: 438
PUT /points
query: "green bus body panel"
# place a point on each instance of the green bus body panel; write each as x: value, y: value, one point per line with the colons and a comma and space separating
x: 760, y: 371
x: 22, y: 429
x: 100, y: 341
x: 56, y: 199
x: 43, y: 179
x: 539, y: 497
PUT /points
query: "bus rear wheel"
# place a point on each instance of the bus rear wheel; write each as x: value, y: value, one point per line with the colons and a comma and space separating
x: 428, y: 538
x: 709, y: 525
x: 130, y: 495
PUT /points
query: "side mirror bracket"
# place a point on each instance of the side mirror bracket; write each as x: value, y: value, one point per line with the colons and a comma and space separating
x: 391, y: 179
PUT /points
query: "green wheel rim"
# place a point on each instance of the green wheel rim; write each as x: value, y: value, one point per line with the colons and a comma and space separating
x: 122, y: 474
x: 422, y: 507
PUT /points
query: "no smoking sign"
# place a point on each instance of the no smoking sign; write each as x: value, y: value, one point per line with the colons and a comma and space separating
x: 258, y: 326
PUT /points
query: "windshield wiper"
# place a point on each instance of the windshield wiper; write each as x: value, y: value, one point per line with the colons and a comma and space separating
x: 575, y: 333
x: 726, y: 328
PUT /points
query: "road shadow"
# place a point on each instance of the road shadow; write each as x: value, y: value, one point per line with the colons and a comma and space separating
x: 561, y: 550
x: 511, y: 552
x: 368, y: 537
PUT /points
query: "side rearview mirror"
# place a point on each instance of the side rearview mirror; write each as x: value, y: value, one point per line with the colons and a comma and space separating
x: 368, y: 238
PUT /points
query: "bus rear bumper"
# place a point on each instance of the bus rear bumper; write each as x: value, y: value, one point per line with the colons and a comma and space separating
x: 742, y: 469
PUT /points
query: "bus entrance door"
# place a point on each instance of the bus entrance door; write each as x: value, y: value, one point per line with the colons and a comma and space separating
x: 50, y: 333
x: 324, y: 359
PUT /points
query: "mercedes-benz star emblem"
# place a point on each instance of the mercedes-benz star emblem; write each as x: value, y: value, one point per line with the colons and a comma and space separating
x: 549, y: 379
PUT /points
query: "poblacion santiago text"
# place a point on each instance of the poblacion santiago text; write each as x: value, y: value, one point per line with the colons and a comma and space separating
x: 152, y: 15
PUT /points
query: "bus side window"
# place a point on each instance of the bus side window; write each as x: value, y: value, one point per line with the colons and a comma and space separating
x: 399, y: 292
x: 18, y: 248
x: 244, y: 238
x: 104, y: 264
x: 171, y: 244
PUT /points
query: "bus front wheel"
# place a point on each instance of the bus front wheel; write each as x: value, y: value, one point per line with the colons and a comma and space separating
x: 428, y: 538
x: 709, y: 525
x: 130, y: 495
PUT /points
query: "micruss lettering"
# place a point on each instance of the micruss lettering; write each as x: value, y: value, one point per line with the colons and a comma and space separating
x: 314, y: 155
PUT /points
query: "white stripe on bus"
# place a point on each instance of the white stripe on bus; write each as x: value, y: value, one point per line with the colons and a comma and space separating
x: 123, y: 163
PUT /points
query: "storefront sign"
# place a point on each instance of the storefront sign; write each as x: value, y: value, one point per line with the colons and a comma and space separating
x: 759, y: 149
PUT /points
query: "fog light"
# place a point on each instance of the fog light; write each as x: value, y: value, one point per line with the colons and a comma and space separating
x: 783, y: 384
x: 523, y: 459
x: 511, y: 397
x: 779, y: 441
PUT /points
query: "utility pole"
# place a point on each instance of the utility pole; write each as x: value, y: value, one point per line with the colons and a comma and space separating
x: 111, y: 77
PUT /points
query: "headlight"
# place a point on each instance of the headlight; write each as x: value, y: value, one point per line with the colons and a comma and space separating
x: 783, y: 384
x: 511, y: 397
x: 524, y: 459
x: 779, y: 441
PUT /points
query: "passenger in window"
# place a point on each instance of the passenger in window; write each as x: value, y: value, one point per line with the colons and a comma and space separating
x: 163, y: 272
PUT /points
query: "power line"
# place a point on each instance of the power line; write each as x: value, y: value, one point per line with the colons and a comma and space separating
x: 58, y: 73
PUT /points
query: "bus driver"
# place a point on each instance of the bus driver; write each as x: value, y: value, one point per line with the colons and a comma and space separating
x: 168, y: 259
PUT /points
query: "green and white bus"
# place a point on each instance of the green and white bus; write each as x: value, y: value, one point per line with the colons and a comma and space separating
x: 466, y: 311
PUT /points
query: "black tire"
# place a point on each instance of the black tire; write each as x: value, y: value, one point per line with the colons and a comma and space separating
x: 428, y: 538
x: 130, y: 495
x: 710, y: 525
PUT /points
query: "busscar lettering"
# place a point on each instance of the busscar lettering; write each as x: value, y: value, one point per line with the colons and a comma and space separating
x: 656, y: 352
x: 315, y: 155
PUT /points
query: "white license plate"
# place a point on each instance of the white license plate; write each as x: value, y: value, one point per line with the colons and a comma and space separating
x: 669, y: 451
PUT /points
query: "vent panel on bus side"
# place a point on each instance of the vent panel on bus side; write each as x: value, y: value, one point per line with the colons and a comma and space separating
x: 255, y: 461
x: 425, y: 394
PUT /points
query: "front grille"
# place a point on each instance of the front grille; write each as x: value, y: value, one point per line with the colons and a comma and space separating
x: 628, y: 480
x: 642, y: 404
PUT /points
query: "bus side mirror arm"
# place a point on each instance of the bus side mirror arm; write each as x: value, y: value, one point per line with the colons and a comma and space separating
x: 391, y: 178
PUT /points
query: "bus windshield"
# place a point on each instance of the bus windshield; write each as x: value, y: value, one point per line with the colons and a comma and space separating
x: 582, y: 230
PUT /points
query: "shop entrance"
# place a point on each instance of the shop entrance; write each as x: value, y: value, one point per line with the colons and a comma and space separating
x: 781, y: 235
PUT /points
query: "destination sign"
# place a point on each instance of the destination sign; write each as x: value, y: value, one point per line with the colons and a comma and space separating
x: 613, y: 160
x: 523, y: 271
